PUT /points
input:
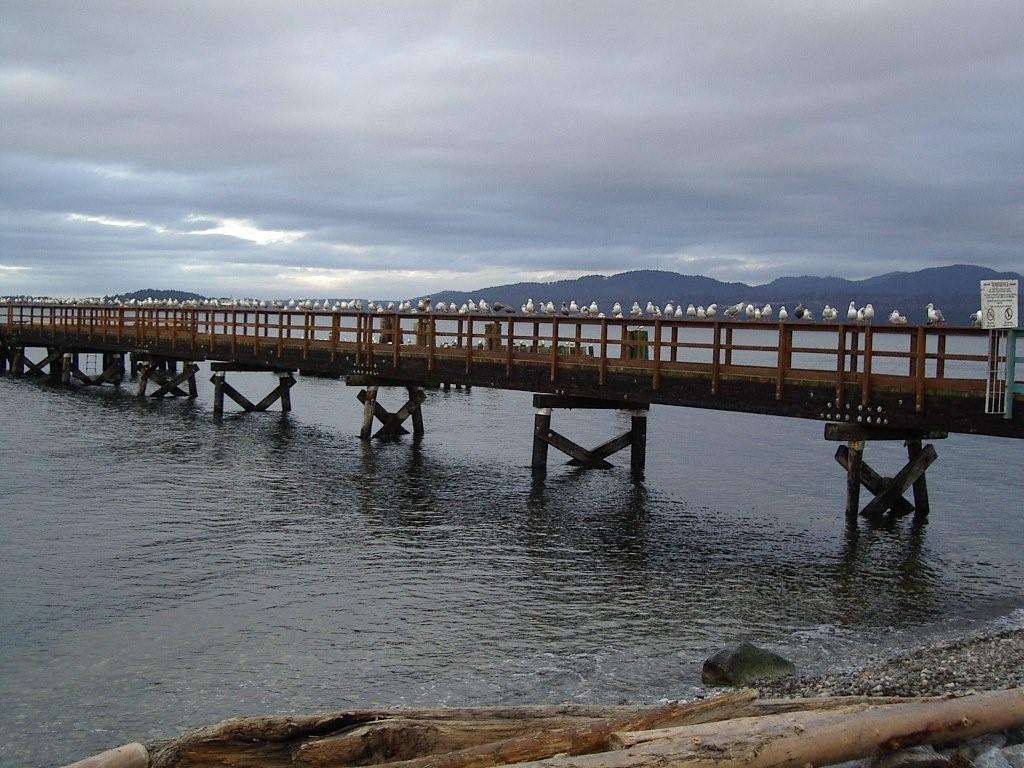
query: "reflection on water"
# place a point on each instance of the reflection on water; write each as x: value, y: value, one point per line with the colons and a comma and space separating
x: 163, y: 570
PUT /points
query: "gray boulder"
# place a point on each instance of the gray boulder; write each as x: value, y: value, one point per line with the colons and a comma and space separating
x: 923, y: 756
x: 744, y: 664
x: 1014, y: 755
x: 992, y: 758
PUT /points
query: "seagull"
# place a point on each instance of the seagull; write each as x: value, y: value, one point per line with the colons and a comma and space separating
x: 976, y: 318
x: 766, y: 312
x: 593, y: 308
x: 701, y: 313
x: 678, y: 314
x: 934, y: 315
x: 549, y: 308
x: 565, y: 309
x: 573, y: 307
x: 750, y: 312
x: 484, y: 306
x: 528, y: 307
x: 650, y: 308
x: 896, y: 318
x: 691, y: 311
x: 800, y: 312
x: 712, y: 310
x: 783, y: 314
x: 616, y: 309
x: 635, y: 311
x: 869, y: 312
x: 851, y: 313
x: 829, y: 313
x: 733, y: 310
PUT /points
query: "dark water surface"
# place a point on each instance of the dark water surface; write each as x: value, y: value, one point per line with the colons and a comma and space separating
x: 161, y: 571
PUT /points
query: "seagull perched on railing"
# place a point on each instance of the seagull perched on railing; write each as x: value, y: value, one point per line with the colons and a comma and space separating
x: 976, y: 318
x: 528, y: 307
x: 616, y: 309
x: 691, y: 311
x: 934, y: 315
x: 783, y: 314
x: 711, y: 311
x: 895, y: 318
x: 734, y: 309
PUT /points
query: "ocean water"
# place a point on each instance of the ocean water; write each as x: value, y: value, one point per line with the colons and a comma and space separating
x: 162, y: 570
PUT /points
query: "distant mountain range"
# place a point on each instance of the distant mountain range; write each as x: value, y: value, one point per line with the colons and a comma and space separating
x: 954, y: 289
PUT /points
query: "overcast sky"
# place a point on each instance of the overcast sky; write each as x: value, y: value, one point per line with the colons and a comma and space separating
x: 399, y: 148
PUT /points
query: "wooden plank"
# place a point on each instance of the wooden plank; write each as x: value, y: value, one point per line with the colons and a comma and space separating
x: 903, y: 480
x: 940, y: 355
x: 873, y: 481
x: 783, y: 358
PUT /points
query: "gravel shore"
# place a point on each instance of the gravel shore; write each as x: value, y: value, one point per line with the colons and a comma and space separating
x: 977, y: 663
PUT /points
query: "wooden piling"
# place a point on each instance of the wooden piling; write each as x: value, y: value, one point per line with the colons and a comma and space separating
x: 144, y: 367
x: 921, y: 506
x: 65, y: 373
x: 638, y: 446
x: 284, y: 386
x: 415, y: 394
x: 541, y: 426
x: 218, y: 393
x: 856, y: 457
x: 368, y: 407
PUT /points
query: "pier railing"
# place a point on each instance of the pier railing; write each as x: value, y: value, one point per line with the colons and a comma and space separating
x: 910, y: 359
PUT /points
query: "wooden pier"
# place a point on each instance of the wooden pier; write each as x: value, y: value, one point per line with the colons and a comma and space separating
x: 863, y: 382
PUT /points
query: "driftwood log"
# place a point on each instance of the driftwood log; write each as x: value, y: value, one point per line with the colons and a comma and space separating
x: 816, y: 738
x: 408, y: 737
x: 731, y: 731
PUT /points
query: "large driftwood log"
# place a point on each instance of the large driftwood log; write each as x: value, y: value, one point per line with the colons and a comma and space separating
x: 569, y: 738
x: 132, y: 755
x: 362, y: 737
x: 815, y: 738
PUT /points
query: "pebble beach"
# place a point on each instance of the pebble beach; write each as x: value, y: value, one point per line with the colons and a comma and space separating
x: 966, y: 665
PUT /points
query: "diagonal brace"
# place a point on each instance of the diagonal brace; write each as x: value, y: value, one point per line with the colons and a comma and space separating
x: 396, y: 419
x: 37, y: 368
x: 874, y: 482
x: 606, y: 449
x: 903, y: 480
x: 381, y: 413
x: 569, y: 448
x: 170, y: 385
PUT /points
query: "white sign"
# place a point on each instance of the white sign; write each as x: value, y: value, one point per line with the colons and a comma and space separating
x: 999, y: 304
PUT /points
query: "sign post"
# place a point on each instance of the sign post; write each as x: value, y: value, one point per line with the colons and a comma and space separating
x: 1000, y: 315
x: 999, y: 304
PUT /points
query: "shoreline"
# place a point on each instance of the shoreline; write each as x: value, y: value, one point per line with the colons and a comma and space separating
x: 986, y: 660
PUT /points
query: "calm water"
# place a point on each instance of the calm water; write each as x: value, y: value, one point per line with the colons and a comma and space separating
x: 162, y: 571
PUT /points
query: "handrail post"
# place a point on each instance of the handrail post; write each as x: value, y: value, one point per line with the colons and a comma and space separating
x: 865, y: 387
x: 509, y: 347
x: 554, y: 348
x: 841, y: 368
x: 469, y: 344
x: 603, y: 372
x: 716, y: 354
x: 922, y: 344
x: 656, y: 378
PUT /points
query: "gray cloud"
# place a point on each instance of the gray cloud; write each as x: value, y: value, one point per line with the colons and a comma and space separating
x: 415, y: 147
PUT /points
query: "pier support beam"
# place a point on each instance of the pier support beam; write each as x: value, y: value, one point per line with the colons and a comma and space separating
x: 391, y: 423
x: 282, y: 392
x: 887, y: 492
x: 595, y: 458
